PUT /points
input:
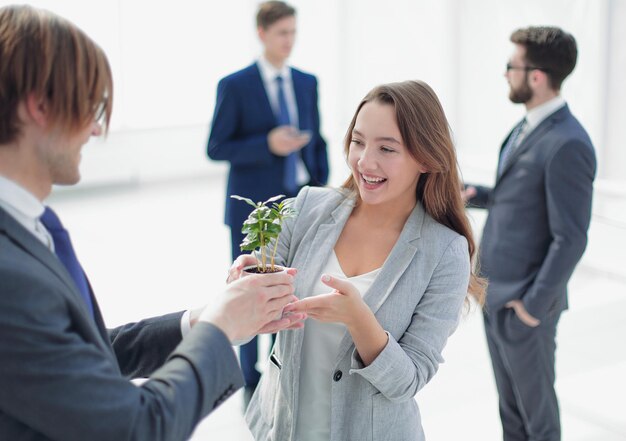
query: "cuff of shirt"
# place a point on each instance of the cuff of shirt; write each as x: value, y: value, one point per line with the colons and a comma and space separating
x: 185, y: 323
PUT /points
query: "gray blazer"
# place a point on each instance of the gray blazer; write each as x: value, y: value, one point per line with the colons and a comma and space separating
x: 417, y: 298
x: 62, y: 373
x: 539, y: 214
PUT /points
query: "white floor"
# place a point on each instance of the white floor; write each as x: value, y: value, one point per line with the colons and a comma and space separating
x: 159, y: 248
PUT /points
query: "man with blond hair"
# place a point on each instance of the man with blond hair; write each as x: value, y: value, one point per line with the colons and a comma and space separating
x: 63, y: 375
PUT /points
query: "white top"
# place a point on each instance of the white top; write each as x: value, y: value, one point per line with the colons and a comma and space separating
x: 319, y: 351
x: 268, y: 75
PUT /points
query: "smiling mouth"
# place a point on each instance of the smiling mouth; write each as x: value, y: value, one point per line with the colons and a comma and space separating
x: 372, y: 180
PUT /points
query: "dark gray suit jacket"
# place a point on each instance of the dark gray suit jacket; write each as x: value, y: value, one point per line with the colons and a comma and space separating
x: 539, y: 214
x: 62, y: 376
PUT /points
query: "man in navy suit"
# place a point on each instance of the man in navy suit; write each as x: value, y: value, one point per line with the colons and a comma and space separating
x: 535, y: 233
x: 266, y: 124
x: 63, y: 375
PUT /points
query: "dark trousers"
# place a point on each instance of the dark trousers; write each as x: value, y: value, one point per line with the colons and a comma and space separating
x: 523, y: 360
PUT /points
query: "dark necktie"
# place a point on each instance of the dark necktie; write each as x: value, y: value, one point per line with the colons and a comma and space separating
x: 289, y: 175
x: 511, y: 145
x: 65, y: 252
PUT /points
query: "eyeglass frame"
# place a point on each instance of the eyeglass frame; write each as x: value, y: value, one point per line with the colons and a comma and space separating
x: 510, y: 67
x: 100, y: 111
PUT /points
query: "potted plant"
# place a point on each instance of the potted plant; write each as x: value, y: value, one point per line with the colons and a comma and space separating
x: 262, y: 230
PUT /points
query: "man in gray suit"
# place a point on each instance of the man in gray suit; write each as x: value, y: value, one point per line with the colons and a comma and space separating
x: 535, y: 233
x: 63, y: 376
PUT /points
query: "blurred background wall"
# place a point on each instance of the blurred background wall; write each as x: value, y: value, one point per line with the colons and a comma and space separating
x: 167, y: 57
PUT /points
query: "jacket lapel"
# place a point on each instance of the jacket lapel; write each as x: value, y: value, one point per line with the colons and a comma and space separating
x: 530, y: 139
x: 257, y: 89
x: 324, y: 241
x: 317, y: 256
x: 39, y: 251
x: 394, y: 267
x: 299, y: 94
x: 303, y: 110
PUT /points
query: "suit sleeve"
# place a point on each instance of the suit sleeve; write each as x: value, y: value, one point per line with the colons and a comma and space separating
x: 569, y: 186
x: 60, y: 385
x: 482, y: 198
x: 321, y: 154
x: 407, y: 365
x: 225, y: 142
x: 143, y: 347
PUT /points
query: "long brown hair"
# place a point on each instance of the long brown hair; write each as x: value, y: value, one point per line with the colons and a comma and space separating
x: 46, y: 55
x: 426, y: 134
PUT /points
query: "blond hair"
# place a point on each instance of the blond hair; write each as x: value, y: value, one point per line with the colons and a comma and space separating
x: 45, y: 55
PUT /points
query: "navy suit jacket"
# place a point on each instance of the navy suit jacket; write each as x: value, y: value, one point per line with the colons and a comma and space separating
x: 539, y: 214
x: 242, y: 119
x: 63, y: 376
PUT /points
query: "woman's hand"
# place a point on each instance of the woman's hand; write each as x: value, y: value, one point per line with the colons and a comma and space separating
x: 343, y: 305
x: 286, y: 321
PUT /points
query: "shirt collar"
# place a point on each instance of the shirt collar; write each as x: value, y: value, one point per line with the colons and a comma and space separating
x: 19, y: 201
x: 535, y: 116
x: 269, y: 71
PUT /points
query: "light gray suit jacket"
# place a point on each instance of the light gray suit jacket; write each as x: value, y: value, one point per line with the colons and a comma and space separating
x: 62, y: 374
x: 417, y: 298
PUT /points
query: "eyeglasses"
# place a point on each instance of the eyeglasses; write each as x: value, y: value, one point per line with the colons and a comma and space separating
x: 100, y: 111
x: 510, y: 67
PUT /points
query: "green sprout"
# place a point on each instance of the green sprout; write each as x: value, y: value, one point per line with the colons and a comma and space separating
x: 263, y: 227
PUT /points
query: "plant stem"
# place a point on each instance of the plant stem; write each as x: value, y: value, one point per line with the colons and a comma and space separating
x: 261, y: 266
x: 274, y: 253
x: 263, y: 254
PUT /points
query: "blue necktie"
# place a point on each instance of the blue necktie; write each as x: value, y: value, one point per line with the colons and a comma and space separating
x: 289, y: 175
x: 65, y: 252
x: 512, y: 143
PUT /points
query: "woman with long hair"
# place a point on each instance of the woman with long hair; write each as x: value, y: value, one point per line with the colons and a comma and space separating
x: 384, y: 271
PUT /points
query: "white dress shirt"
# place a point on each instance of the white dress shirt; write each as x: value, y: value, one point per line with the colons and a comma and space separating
x: 537, y: 115
x: 319, y: 351
x: 268, y: 74
x: 25, y: 208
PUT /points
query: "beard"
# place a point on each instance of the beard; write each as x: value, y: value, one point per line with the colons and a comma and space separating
x: 522, y: 94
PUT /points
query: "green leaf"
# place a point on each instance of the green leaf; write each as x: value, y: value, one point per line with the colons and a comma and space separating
x: 249, y: 247
x: 246, y: 200
x: 264, y: 224
x: 263, y: 211
x: 252, y: 221
x: 251, y: 231
x: 273, y: 228
x: 274, y: 198
x: 250, y: 243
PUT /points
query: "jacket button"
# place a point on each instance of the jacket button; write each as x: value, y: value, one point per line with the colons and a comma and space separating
x: 337, y: 375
